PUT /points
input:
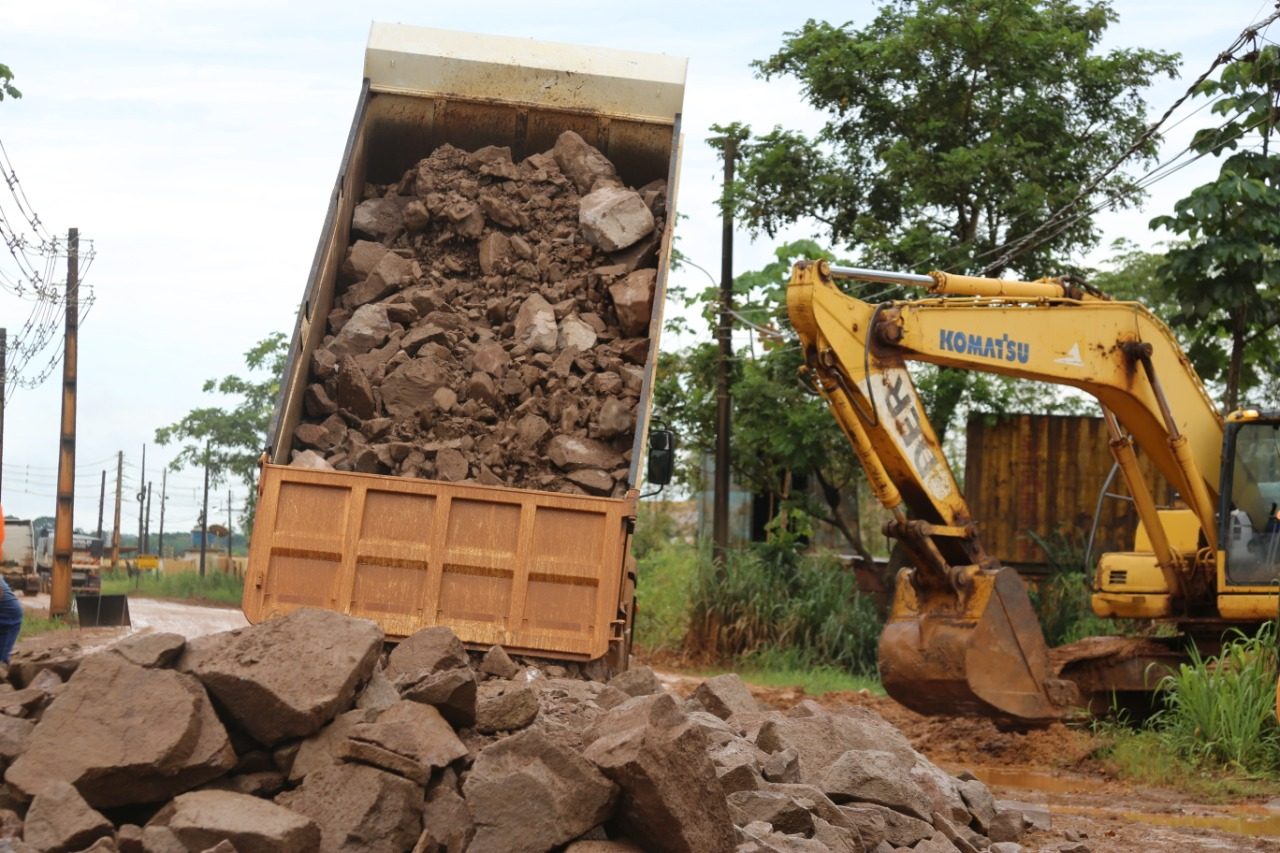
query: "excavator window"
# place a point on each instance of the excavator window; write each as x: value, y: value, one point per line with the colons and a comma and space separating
x: 1253, y: 524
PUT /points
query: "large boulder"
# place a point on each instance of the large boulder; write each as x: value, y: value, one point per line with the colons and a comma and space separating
x: 671, y: 798
x: 528, y: 793
x: 429, y: 650
x: 117, y: 750
x: 202, y: 819
x: 536, y: 325
x: 451, y: 691
x: 410, y: 387
x: 581, y: 162
x: 633, y: 300
x: 285, y: 678
x: 359, y: 808
x: 725, y: 695
x: 367, y: 328
x: 875, y: 776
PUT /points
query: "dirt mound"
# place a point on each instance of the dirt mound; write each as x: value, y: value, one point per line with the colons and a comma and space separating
x: 302, y: 733
x: 492, y: 324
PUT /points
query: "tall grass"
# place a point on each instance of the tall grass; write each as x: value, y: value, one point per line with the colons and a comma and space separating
x: 1061, y: 600
x: 213, y: 588
x: 1220, y: 711
x: 664, y: 583
x: 771, y: 597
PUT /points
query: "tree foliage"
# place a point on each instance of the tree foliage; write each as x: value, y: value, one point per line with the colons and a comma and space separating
x: 7, y: 89
x: 1225, y: 276
x: 230, y: 439
x: 952, y: 128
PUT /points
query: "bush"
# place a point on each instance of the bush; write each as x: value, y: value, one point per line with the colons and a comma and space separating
x: 771, y: 597
x: 664, y: 584
x: 1220, y: 711
x: 1061, y: 600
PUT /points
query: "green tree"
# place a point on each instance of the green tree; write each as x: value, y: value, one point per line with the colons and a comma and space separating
x: 6, y: 83
x: 230, y: 440
x: 952, y: 129
x: 1225, y: 277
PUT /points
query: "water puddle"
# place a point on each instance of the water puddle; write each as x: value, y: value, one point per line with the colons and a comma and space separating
x: 1239, y: 824
x: 1249, y: 820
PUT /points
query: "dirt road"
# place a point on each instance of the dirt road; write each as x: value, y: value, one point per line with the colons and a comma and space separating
x: 1054, y: 771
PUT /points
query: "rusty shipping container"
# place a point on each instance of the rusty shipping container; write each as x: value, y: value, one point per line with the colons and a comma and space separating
x: 537, y: 572
x: 1042, y: 474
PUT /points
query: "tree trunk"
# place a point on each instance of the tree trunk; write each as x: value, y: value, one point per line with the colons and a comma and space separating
x: 852, y: 534
x: 1238, y: 340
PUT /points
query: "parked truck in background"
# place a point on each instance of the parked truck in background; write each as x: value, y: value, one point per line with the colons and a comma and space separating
x: 18, y: 562
x: 537, y: 572
x: 86, y: 562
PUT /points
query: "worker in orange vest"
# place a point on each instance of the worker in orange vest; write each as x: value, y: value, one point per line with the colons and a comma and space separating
x: 10, y: 610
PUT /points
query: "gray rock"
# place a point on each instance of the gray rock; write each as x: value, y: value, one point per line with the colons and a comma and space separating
x: 451, y: 691
x: 362, y: 257
x: 725, y: 695
x: 409, y: 387
x: 580, y: 162
x: 151, y: 650
x: 323, y: 748
x: 498, y: 663
x: 354, y: 392
x: 409, y: 739
x: 615, y: 418
x: 576, y: 334
x: 637, y: 681
x: 867, y: 775
x: 528, y: 793
x: 779, y: 810
x: 571, y: 452
x: 535, y: 325
x: 286, y: 678
x: 378, y: 217
x: 614, y: 218
x: 980, y: 802
x: 368, y: 328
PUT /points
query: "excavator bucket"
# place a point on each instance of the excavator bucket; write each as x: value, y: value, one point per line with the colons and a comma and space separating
x: 980, y: 653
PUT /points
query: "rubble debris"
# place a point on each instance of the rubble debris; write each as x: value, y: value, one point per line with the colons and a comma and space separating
x: 485, y: 309
x: 439, y: 748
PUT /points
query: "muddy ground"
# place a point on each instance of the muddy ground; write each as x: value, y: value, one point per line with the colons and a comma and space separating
x: 1054, y: 768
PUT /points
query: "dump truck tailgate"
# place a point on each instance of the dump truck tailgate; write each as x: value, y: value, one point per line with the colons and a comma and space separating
x: 531, y: 571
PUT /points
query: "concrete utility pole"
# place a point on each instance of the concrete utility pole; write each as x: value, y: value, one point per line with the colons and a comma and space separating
x: 60, y: 594
x: 146, y: 530
x: 142, y: 498
x: 724, y: 336
x: 102, y: 502
x: 204, y: 513
x: 4, y: 369
x: 230, y: 564
x: 115, y: 533
x: 164, y: 483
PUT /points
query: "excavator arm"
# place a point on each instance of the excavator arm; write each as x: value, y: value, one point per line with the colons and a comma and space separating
x: 962, y: 635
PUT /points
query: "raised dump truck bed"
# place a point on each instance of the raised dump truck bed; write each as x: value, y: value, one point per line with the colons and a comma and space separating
x: 539, y: 572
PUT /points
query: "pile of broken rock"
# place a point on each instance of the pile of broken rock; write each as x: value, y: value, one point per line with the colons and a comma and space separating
x: 492, y: 324
x: 302, y: 733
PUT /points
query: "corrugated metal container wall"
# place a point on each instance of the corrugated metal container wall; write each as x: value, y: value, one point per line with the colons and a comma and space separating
x: 1041, y: 474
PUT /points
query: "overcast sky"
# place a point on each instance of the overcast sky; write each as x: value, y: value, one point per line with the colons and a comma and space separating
x: 196, y: 144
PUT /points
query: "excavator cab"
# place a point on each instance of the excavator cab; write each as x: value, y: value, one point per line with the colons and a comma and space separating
x: 1250, y: 501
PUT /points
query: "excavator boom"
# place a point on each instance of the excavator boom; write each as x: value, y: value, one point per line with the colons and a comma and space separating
x: 962, y: 635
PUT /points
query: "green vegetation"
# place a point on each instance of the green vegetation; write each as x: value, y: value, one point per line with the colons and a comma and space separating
x: 1216, y: 732
x: 777, y: 669
x: 213, y: 588
x: 782, y: 615
x: 33, y: 626
x: 1061, y: 600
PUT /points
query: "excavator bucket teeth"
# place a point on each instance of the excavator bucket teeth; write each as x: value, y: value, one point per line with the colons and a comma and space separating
x: 984, y: 655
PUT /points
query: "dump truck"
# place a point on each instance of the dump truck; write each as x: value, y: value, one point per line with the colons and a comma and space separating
x: 86, y: 561
x: 19, y: 558
x: 538, y: 572
x: 962, y: 636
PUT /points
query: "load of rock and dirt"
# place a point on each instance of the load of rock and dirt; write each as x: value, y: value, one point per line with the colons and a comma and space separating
x: 491, y: 324
x: 303, y: 733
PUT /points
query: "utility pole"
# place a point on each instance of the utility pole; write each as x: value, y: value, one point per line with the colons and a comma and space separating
x: 724, y: 331
x: 164, y: 482
x: 115, y: 532
x: 146, y: 530
x: 4, y: 369
x: 204, y: 513
x: 230, y: 564
x: 142, y: 499
x: 60, y: 594
x: 102, y: 502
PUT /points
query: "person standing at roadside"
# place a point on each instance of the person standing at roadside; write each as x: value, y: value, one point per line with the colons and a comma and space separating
x: 10, y: 610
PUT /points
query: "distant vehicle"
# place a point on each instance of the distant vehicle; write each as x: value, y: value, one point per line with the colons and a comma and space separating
x: 18, y: 562
x: 86, y: 561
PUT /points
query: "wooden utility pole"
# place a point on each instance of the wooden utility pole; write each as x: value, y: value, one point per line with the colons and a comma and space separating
x: 164, y: 482
x: 115, y: 533
x: 724, y: 333
x: 60, y: 594
x: 204, y: 513
x: 4, y: 369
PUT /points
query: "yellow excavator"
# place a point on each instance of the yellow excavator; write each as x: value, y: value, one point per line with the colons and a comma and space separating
x: 962, y: 636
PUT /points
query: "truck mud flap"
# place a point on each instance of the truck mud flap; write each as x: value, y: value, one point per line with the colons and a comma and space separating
x: 100, y: 611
